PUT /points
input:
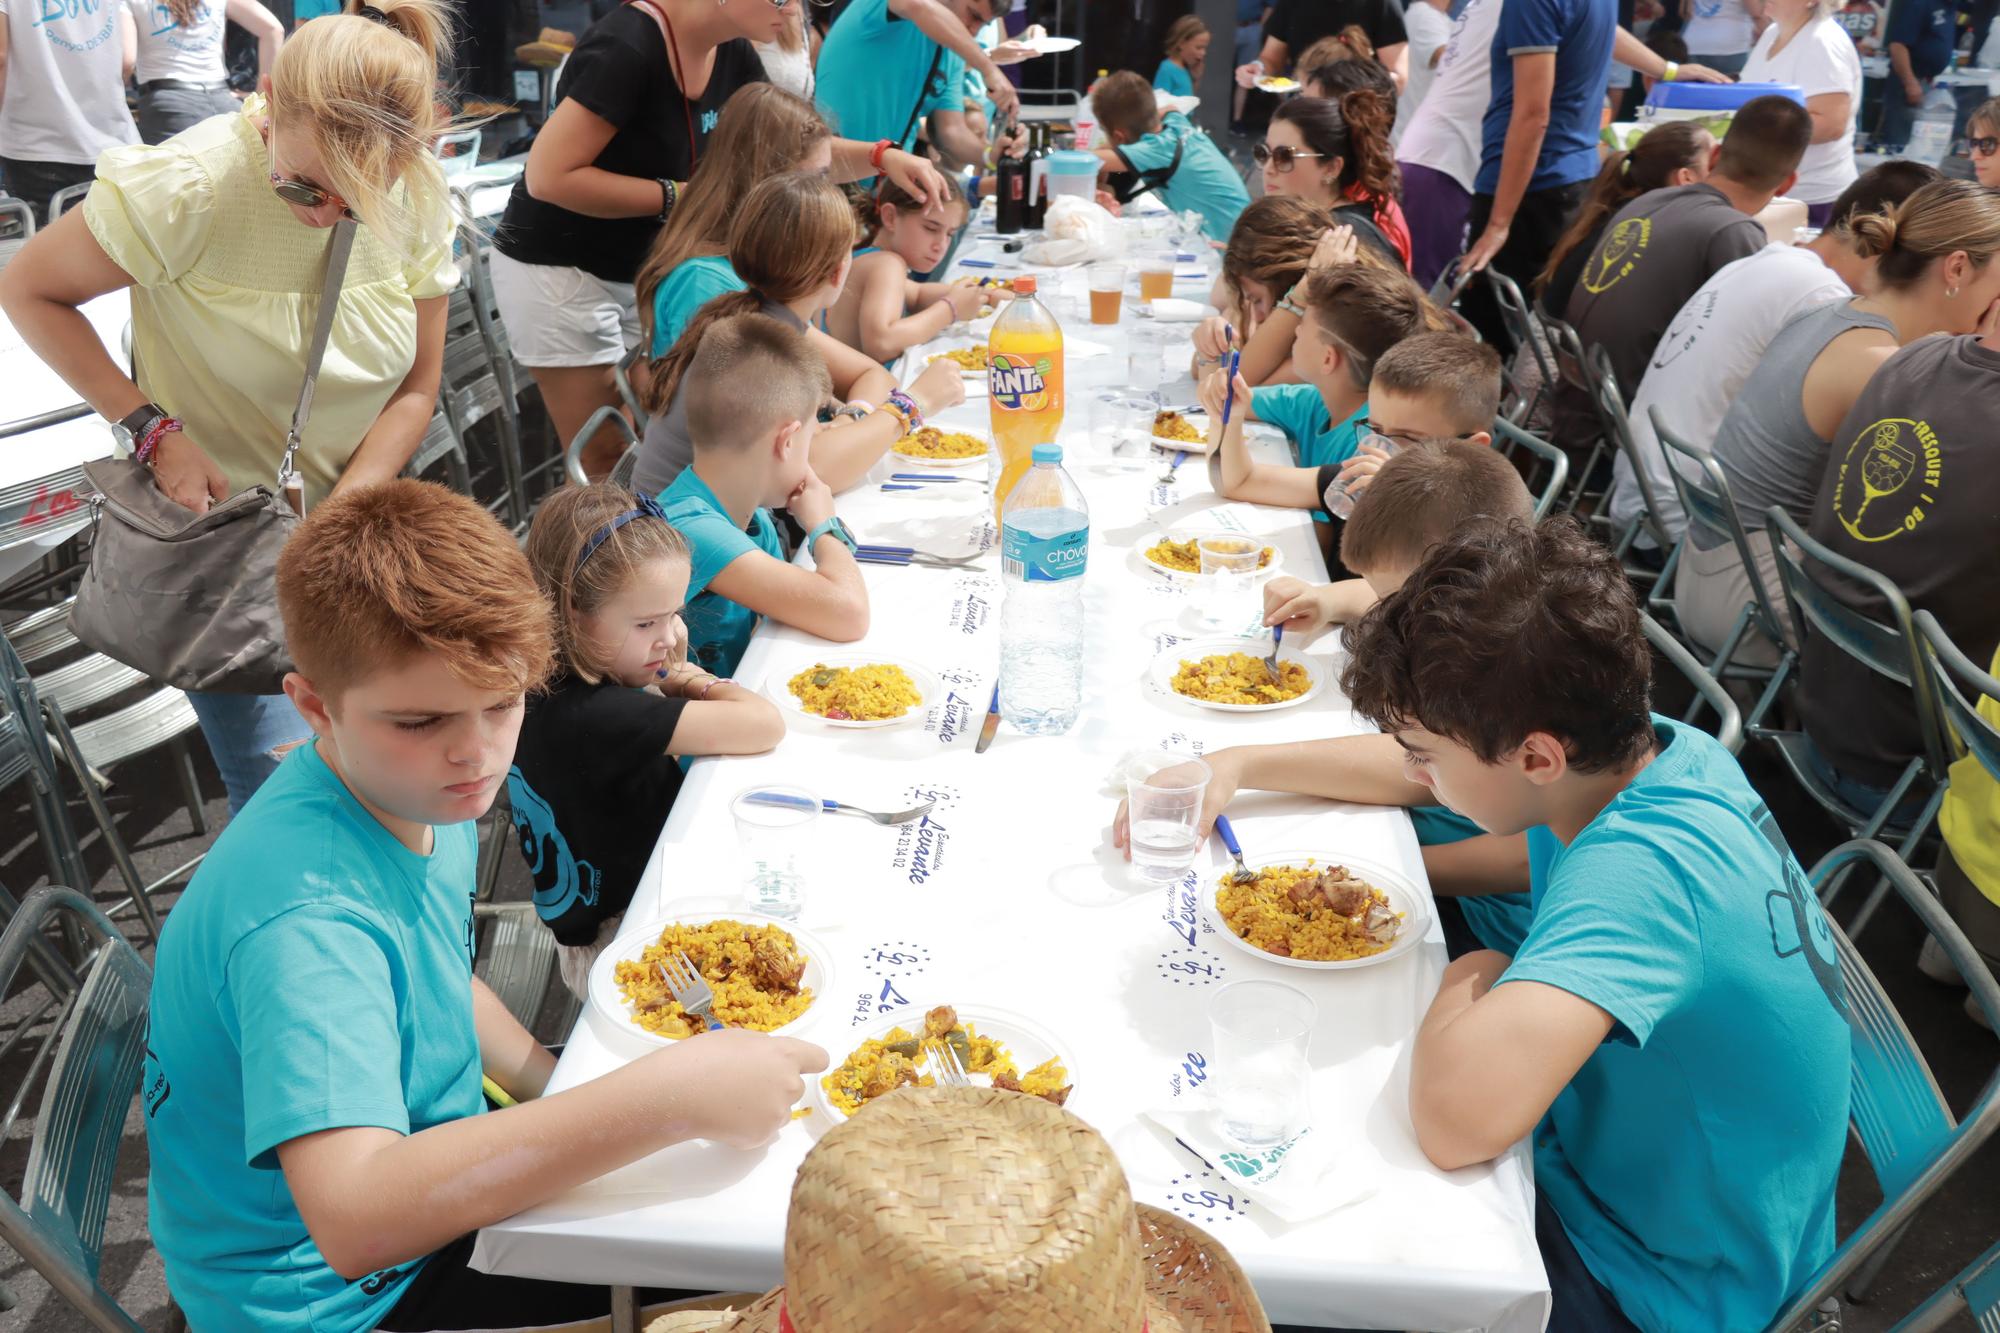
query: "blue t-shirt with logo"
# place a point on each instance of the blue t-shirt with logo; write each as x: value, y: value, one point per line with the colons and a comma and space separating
x: 880, y: 76
x: 1203, y: 181
x: 317, y: 974
x: 692, y: 284
x: 1930, y: 29
x: 718, y: 629
x: 1692, y: 1159
x: 1580, y: 33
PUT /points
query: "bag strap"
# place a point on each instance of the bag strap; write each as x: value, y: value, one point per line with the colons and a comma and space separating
x: 337, y: 252
x: 923, y: 95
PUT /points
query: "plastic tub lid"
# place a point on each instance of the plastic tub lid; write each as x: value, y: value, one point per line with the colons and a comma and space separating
x: 1718, y: 96
x: 1072, y: 162
x: 1046, y: 453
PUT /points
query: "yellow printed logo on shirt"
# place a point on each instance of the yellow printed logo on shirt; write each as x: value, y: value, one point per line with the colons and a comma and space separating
x: 1891, y: 473
x: 1618, y: 255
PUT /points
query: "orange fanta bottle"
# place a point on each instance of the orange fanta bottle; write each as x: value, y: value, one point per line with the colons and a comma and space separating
x: 1024, y: 380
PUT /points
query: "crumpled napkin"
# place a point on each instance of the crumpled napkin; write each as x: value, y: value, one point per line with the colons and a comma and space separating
x: 1307, y: 1176
x: 1176, y: 310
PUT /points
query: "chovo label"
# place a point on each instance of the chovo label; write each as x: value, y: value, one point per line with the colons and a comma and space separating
x: 1018, y: 383
x: 1044, y: 559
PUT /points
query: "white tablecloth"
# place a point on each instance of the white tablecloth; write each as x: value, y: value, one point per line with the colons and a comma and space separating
x: 42, y: 491
x: 1008, y: 896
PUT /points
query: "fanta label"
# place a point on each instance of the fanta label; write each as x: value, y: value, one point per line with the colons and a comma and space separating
x: 1018, y: 383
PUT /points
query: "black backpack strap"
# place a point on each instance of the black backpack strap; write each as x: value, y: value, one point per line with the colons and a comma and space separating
x: 1133, y: 182
x: 923, y: 95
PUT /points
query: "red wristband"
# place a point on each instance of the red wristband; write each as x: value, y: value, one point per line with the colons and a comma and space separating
x: 144, y: 447
x: 875, y: 154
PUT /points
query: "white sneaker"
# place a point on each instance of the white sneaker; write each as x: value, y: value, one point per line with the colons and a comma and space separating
x: 1936, y: 964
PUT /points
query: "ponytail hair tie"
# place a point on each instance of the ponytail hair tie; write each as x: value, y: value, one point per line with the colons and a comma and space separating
x: 1625, y: 167
x: 374, y: 15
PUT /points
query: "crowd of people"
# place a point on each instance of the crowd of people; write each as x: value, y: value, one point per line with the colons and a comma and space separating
x: 752, y: 215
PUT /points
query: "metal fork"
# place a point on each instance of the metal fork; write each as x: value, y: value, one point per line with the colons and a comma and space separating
x: 1243, y: 874
x: 689, y: 989
x: 839, y: 808
x: 904, y: 555
x: 945, y: 1064
x: 1167, y: 477
x: 1271, y: 662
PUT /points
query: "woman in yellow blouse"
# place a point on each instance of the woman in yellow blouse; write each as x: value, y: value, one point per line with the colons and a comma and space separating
x: 221, y: 234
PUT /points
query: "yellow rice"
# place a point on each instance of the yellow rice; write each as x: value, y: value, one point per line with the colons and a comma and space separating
x: 727, y: 954
x: 846, y: 1085
x: 1262, y: 913
x: 930, y: 442
x: 1239, y: 678
x: 965, y: 358
x: 1184, y: 558
x: 1173, y: 426
x: 855, y: 694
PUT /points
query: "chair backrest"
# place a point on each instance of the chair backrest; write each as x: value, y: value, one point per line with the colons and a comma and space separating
x: 1904, y: 1124
x: 441, y: 445
x: 622, y: 470
x: 621, y: 375
x: 1711, y: 508
x: 1892, y: 651
x: 457, y: 152
x: 1607, y: 397
x: 17, y: 227
x: 1974, y: 1290
x: 63, y: 200
x: 1557, y: 460
x: 1948, y: 668
x: 608, y: 415
x: 58, y: 1223
x: 1530, y: 345
x: 1729, y: 715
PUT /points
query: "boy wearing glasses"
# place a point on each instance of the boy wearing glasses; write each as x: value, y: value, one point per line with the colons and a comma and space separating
x: 1167, y: 154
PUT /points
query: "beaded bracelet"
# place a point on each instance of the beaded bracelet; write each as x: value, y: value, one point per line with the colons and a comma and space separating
x: 907, y: 408
x: 144, y: 447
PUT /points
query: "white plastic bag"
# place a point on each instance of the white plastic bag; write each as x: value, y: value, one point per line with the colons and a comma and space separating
x: 1076, y: 231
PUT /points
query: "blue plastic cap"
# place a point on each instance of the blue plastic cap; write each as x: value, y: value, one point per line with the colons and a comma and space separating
x: 1048, y: 453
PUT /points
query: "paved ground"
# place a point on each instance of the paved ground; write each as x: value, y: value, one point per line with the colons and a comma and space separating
x: 1958, y: 1224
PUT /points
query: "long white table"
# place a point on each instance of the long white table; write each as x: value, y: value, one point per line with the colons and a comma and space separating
x: 43, y: 494
x: 1007, y: 895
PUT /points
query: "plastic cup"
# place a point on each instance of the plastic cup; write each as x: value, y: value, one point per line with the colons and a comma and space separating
x: 1107, y: 292
x: 1257, y: 1067
x: 1339, y: 499
x: 1231, y: 565
x: 1156, y: 278
x: 1163, y: 818
x: 774, y: 827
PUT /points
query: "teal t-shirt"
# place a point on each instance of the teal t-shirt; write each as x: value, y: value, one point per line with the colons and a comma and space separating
x: 1317, y: 439
x: 316, y: 975
x: 1693, y: 1158
x: 879, y: 75
x: 1172, y: 79
x: 683, y: 292
x: 718, y: 629
x: 1204, y: 181
x: 1500, y: 920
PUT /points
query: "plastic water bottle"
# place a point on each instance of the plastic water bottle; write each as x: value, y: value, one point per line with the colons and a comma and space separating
x: 1044, y: 546
x: 1930, y: 139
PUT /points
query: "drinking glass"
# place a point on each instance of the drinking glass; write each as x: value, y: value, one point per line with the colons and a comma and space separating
x: 1230, y: 564
x: 1124, y: 428
x: 1156, y: 277
x: 1339, y: 499
x: 1257, y: 1067
x: 1107, y: 292
x: 1146, y: 349
x: 774, y: 827
x: 1163, y: 817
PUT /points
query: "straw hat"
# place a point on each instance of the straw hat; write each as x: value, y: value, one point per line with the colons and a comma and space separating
x: 973, y: 1210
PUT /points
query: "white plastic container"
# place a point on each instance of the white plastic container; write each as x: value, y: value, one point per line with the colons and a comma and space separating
x: 1072, y: 172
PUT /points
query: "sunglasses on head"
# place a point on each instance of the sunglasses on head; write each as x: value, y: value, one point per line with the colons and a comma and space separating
x: 1370, y: 426
x: 1984, y: 146
x: 1265, y: 154
x: 305, y: 195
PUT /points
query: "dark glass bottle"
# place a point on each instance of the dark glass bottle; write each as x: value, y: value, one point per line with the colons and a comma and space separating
x: 1010, y: 196
x: 1038, y: 175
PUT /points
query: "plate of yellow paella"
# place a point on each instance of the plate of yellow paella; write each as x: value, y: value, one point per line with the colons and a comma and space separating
x: 996, y: 1047
x: 970, y: 360
x: 933, y: 446
x: 1176, y: 553
x: 1306, y: 909
x: 767, y: 975
x: 1227, y: 673
x: 853, y: 689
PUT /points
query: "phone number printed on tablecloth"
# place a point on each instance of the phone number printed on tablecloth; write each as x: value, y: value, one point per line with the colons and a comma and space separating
x: 919, y: 852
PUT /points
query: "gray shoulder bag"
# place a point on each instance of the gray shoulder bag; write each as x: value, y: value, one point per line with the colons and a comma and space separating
x: 192, y: 599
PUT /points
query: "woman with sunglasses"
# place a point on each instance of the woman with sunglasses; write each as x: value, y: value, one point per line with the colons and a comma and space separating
x: 1804, y: 45
x: 222, y: 235
x: 1336, y: 155
x: 1982, y: 130
x: 636, y: 104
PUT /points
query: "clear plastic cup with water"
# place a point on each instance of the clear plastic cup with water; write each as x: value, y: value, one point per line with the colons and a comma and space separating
x: 1163, y: 819
x: 774, y: 826
x: 1339, y: 499
x: 1257, y: 1067
x: 1123, y: 428
x: 1229, y: 565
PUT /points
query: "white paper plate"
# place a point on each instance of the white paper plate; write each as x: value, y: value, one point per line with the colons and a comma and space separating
x: 610, y: 1003
x: 1193, y: 532
x: 1252, y: 430
x: 777, y: 686
x: 1402, y: 895
x: 1052, y: 46
x: 1190, y: 650
x: 1027, y: 1041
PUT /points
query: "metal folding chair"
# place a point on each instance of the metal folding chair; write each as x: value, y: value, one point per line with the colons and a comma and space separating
x: 17, y: 227
x: 1892, y: 651
x: 1510, y: 436
x: 622, y: 470
x: 1617, y: 429
x: 611, y: 414
x: 477, y: 400
x: 1899, y: 1115
x: 457, y: 152
x: 1952, y: 673
x: 63, y: 200
x: 1975, y: 1291
x: 441, y: 447
x: 1708, y: 690
x: 1531, y: 356
x: 515, y: 379
x: 1711, y: 509
x: 57, y: 1224
x: 621, y: 376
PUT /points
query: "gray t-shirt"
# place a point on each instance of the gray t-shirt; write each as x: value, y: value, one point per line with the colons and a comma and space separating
x: 1657, y: 252
x: 1911, y: 489
x: 667, y: 447
x: 1766, y: 447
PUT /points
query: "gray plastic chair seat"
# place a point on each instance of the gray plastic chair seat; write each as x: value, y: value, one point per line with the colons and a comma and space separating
x: 152, y: 721
x: 520, y: 956
x: 42, y: 634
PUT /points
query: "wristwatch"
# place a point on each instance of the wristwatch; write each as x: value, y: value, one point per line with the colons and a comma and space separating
x: 835, y: 526
x: 131, y: 431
